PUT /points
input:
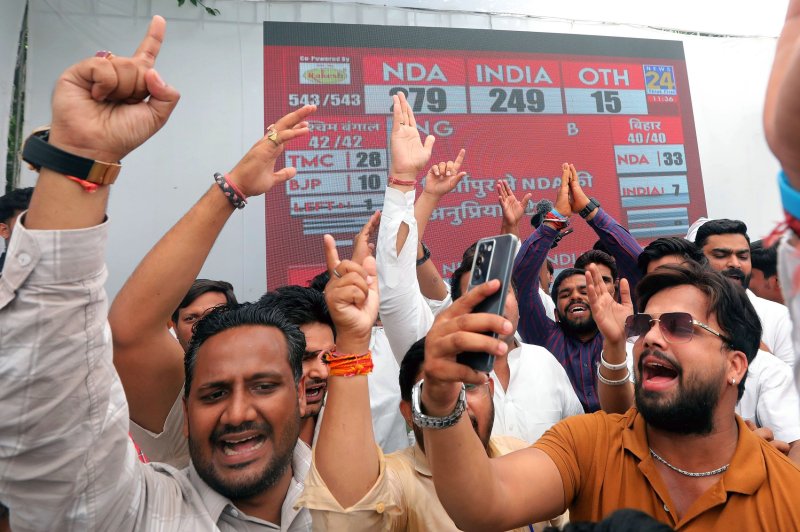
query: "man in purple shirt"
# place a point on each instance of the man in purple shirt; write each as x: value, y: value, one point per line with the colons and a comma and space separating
x: 573, y: 339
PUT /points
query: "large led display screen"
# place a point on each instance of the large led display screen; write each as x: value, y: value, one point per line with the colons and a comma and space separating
x: 520, y: 104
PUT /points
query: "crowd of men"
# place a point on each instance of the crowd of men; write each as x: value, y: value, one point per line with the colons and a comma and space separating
x: 643, y: 388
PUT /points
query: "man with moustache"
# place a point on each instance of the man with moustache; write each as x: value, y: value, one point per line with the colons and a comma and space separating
x: 573, y: 338
x: 680, y: 455
x: 67, y: 461
x: 727, y: 247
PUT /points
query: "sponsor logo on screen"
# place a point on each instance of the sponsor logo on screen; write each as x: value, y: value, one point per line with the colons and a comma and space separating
x: 324, y: 74
x: 660, y: 80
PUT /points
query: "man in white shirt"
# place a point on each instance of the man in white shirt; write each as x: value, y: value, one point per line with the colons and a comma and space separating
x: 67, y: 461
x: 727, y: 247
x: 532, y: 390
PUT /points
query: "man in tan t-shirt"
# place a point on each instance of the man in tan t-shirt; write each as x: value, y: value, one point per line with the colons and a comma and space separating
x: 681, y: 455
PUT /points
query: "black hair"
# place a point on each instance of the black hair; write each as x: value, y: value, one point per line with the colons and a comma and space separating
x: 726, y: 299
x: 550, y: 267
x: 566, y: 272
x: 410, y: 368
x: 625, y: 520
x: 299, y: 304
x: 764, y: 259
x: 17, y: 200
x: 722, y: 226
x: 220, y: 319
x: 596, y: 256
x: 320, y: 281
x: 466, y: 267
x: 671, y: 245
x: 204, y: 286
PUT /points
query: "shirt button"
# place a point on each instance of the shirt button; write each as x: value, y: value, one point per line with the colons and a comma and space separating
x: 234, y: 512
x: 24, y: 259
x: 665, y: 508
x: 380, y: 507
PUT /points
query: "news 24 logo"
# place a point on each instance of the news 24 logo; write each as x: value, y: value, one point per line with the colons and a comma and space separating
x: 324, y: 74
x: 659, y: 80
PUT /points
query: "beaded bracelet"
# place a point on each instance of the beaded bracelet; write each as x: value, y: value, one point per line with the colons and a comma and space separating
x: 230, y: 190
x: 393, y: 181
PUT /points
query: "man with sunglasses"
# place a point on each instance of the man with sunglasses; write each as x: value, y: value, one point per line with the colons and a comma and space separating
x: 680, y: 455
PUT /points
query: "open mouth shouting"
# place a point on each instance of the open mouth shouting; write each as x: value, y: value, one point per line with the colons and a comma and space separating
x: 315, y: 391
x: 578, y: 309
x: 242, y: 447
x: 658, y: 373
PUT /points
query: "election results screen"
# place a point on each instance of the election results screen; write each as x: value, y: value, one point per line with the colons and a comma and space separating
x: 519, y: 103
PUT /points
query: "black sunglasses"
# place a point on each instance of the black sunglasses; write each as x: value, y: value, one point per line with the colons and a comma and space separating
x: 676, y: 327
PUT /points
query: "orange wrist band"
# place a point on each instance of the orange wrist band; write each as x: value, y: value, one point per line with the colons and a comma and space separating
x: 349, y: 365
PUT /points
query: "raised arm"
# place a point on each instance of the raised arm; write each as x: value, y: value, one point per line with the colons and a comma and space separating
x: 513, y: 209
x: 534, y: 324
x: 479, y: 493
x: 346, y: 455
x: 67, y: 461
x: 442, y: 178
x: 147, y: 357
x: 614, y: 385
x: 617, y: 239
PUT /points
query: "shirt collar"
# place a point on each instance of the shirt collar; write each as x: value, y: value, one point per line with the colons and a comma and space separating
x: 746, y: 472
x: 216, y: 504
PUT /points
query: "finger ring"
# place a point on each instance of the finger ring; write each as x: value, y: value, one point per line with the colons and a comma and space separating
x: 402, y: 123
x: 104, y: 53
x: 337, y: 274
x: 272, y: 134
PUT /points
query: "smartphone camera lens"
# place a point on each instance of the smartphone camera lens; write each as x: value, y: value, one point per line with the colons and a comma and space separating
x: 489, y: 248
x: 477, y: 274
x: 479, y: 260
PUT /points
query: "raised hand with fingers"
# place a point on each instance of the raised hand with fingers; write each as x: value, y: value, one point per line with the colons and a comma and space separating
x: 352, y: 297
x: 255, y: 173
x: 444, y: 177
x: 457, y: 330
x: 578, y: 198
x: 513, y: 209
x: 563, y: 200
x: 607, y: 313
x: 106, y: 106
x: 409, y: 154
x: 364, y: 241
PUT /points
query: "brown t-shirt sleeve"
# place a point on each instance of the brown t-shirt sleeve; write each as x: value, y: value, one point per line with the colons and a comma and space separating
x: 570, y: 444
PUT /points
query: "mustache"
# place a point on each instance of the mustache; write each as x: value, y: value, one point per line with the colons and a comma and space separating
x: 314, y: 382
x: 224, y: 430
x: 733, y: 273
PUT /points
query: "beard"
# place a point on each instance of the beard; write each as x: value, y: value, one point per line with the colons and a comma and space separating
x: 690, y: 411
x: 737, y: 274
x: 576, y: 327
x: 247, y: 485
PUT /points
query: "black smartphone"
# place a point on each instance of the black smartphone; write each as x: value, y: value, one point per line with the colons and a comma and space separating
x: 494, y: 259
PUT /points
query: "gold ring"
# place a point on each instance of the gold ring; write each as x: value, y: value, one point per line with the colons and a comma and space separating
x: 402, y: 123
x: 272, y: 134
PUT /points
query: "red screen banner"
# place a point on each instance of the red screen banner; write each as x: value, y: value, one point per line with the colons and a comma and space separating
x: 519, y: 103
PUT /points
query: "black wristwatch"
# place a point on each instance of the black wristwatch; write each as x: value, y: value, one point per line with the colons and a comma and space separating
x: 592, y: 205
x: 41, y: 154
x: 426, y: 254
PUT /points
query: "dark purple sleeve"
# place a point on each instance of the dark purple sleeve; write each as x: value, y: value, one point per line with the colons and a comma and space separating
x: 534, y: 325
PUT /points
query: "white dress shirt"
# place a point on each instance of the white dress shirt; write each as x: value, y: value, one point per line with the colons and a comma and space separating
x: 539, y: 395
x: 67, y: 462
x: 776, y: 327
x: 770, y: 398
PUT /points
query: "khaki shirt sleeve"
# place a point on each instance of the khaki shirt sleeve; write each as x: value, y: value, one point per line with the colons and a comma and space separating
x: 570, y: 445
x: 169, y: 446
x: 382, y: 508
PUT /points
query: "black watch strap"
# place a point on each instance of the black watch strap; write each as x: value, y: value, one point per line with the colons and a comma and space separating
x: 41, y: 154
x: 592, y: 205
x: 426, y: 254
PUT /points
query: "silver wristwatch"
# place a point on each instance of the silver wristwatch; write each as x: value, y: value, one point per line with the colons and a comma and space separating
x: 432, y: 422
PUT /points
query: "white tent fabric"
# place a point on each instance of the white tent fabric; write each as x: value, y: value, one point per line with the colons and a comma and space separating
x: 217, y: 64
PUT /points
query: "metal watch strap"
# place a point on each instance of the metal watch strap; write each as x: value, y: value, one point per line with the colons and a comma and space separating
x: 41, y: 154
x: 592, y: 205
x: 424, y: 421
